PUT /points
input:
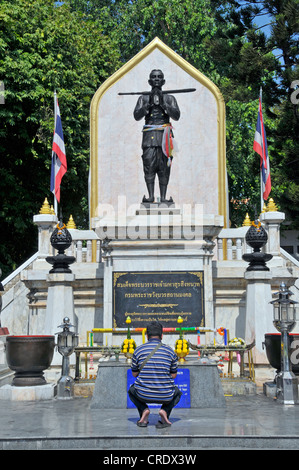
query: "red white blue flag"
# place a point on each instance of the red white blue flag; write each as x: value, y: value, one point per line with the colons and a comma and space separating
x: 59, y: 163
x: 260, y: 146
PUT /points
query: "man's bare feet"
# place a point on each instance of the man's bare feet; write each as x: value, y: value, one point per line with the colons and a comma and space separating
x: 144, y: 418
x: 164, y: 418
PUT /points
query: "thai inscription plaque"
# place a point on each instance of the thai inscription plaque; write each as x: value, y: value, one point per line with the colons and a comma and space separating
x: 162, y: 296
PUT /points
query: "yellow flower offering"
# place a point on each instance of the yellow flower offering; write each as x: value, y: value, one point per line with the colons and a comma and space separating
x: 128, y: 346
x: 181, y: 346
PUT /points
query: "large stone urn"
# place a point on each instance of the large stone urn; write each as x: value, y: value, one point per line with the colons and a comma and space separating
x: 29, y: 356
x: 257, y: 237
x: 61, y: 240
x: 273, y: 350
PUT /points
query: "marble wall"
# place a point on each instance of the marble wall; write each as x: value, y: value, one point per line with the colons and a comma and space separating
x: 194, y: 172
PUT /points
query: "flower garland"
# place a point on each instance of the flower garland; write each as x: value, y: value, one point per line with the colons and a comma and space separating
x: 237, y: 342
x: 128, y: 346
x: 181, y: 345
x: 257, y: 226
x: 60, y: 228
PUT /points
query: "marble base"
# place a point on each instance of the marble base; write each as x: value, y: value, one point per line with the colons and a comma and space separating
x: 35, y: 393
x: 189, y: 249
x: 270, y: 389
x: 259, y: 312
x: 60, y: 304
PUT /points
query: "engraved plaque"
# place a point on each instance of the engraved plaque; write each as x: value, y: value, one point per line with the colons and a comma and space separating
x: 162, y: 296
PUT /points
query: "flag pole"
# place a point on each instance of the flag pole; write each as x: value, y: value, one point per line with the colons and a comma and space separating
x: 261, y: 180
x: 260, y: 147
x: 55, y: 117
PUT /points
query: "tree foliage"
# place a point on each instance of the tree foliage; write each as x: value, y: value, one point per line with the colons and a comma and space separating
x: 73, y: 47
x: 223, y: 40
x: 44, y: 47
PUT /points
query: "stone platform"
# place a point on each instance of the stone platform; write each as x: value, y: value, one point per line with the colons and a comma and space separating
x: 245, y: 423
x: 111, y: 385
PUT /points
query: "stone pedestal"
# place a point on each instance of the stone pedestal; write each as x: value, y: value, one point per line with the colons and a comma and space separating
x: 273, y: 221
x: 111, y: 386
x: 60, y: 303
x: 259, y: 312
x: 46, y: 224
x: 3, y: 361
x: 159, y: 240
x: 35, y: 393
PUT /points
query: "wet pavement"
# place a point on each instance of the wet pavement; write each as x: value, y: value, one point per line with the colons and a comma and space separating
x: 246, y: 422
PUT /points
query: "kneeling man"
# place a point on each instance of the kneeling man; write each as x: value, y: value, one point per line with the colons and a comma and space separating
x: 154, y: 365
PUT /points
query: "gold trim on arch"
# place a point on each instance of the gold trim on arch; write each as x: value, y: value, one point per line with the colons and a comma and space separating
x: 157, y: 43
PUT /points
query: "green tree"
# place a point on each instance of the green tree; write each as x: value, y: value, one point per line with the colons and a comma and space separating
x: 75, y: 46
x: 219, y: 39
x: 225, y: 41
x: 282, y: 120
x: 44, y: 47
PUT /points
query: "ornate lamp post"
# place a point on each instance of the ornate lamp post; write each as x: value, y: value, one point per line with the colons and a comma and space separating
x: 67, y: 341
x: 284, y: 321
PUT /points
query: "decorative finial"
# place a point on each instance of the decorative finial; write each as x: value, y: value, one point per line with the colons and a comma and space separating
x: 45, y: 209
x: 52, y: 210
x: 264, y: 209
x: 272, y: 207
x: 247, y: 221
x: 71, y: 223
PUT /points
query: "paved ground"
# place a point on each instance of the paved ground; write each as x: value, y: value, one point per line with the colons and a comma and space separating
x: 252, y: 422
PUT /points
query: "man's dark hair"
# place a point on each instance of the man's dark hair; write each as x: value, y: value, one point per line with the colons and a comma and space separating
x: 154, y: 329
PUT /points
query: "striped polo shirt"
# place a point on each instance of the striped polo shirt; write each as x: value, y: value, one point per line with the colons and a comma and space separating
x: 154, y: 383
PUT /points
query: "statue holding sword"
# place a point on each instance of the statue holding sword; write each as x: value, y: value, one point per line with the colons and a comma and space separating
x: 157, y: 107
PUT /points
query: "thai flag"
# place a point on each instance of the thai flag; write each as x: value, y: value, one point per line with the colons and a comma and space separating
x: 260, y: 146
x: 59, y: 163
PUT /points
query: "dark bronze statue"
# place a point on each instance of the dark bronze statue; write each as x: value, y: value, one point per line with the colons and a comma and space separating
x: 157, y: 108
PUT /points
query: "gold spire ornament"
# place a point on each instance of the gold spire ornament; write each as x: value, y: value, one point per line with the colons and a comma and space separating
x: 45, y: 209
x: 247, y: 221
x: 272, y: 207
x: 264, y: 209
x: 71, y: 223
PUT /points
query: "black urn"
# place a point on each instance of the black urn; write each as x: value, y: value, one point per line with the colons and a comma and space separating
x: 61, y: 240
x: 257, y: 237
x: 28, y: 357
x: 273, y: 349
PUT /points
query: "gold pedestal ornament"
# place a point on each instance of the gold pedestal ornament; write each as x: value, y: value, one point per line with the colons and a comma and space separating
x: 247, y: 221
x: 45, y: 209
x: 71, y: 223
